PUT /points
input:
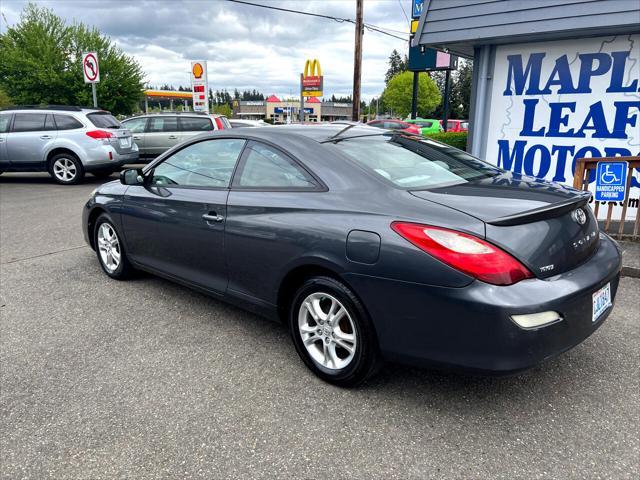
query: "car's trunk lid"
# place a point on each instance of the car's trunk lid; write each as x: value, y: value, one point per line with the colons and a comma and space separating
x: 548, y: 227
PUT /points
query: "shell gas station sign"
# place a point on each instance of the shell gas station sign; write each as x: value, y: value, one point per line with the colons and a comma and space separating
x: 199, y: 86
x: 311, y: 82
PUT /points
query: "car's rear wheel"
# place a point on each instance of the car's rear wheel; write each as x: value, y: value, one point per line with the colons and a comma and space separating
x: 66, y: 169
x: 332, y: 332
x: 109, y: 249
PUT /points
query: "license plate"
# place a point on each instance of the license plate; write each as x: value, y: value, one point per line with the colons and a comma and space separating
x: 124, y: 142
x: 601, y: 301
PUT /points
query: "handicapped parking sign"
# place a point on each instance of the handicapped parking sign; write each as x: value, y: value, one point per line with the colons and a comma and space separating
x: 611, y: 181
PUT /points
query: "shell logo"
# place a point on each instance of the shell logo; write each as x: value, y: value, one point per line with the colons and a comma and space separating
x: 197, y: 70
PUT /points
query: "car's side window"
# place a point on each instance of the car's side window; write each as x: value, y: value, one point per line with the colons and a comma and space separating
x: 209, y: 163
x: 5, y: 120
x: 66, y: 122
x: 135, y: 125
x: 266, y: 167
x: 29, y: 122
x: 392, y: 125
x: 163, y: 124
x: 194, y: 124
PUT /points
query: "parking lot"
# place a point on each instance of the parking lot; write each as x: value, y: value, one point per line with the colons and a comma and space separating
x: 147, y: 379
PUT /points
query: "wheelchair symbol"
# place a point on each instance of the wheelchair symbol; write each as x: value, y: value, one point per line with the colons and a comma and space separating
x: 608, y: 177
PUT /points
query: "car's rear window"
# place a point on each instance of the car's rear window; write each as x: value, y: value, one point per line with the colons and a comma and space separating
x: 103, y: 120
x: 415, y: 164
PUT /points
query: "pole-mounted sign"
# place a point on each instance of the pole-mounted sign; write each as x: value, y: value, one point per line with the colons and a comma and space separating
x: 312, y: 79
x: 91, y: 72
x: 199, y: 85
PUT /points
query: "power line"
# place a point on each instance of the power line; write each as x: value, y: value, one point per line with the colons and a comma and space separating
x: 403, y: 11
x: 368, y: 26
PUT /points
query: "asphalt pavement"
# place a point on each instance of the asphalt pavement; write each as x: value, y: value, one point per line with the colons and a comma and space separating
x: 147, y: 379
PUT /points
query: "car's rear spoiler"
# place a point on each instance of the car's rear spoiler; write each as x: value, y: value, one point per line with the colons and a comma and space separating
x: 549, y: 211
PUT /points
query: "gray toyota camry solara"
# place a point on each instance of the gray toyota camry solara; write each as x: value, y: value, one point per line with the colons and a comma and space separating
x: 368, y: 244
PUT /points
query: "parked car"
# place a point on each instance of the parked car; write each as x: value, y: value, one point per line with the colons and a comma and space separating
x: 398, y: 125
x: 457, y: 125
x: 65, y: 141
x: 240, y: 123
x: 157, y: 132
x: 426, y: 125
x: 368, y: 244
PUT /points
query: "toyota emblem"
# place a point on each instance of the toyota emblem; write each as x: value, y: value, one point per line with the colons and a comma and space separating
x: 579, y: 216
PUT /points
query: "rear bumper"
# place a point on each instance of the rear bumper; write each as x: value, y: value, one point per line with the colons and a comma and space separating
x: 470, y: 328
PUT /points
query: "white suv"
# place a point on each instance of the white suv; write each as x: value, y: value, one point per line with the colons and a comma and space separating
x: 64, y: 141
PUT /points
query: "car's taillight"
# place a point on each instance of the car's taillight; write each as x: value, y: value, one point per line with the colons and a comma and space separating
x: 465, y: 252
x: 99, y: 134
x: 219, y: 123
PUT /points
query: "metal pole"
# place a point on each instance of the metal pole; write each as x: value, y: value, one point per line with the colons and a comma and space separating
x: 93, y: 91
x: 357, y: 62
x: 447, y: 88
x: 414, y: 95
x: 146, y: 104
x: 301, y: 112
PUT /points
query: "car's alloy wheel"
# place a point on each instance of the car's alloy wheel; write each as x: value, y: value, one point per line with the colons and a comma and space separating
x: 110, y: 250
x: 66, y: 169
x: 109, y: 247
x: 332, y: 332
x: 327, y: 331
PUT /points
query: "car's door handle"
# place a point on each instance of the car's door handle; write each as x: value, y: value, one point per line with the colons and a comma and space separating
x: 213, y: 217
x: 136, y: 138
x: 46, y: 137
x: 172, y: 137
x: 1, y: 139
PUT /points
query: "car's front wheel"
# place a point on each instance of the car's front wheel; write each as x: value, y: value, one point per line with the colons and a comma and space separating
x: 66, y: 169
x: 332, y: 332
x: 109, y: 249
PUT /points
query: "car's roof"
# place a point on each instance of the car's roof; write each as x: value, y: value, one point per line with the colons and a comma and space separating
x: 180, y: 114
x: 325, y: 131
x: 53, y: 108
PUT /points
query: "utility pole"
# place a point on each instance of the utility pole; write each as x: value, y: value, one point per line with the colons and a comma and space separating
x: 357, y: 62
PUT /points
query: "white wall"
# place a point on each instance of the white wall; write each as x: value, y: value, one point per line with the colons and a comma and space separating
x: 585, y: 102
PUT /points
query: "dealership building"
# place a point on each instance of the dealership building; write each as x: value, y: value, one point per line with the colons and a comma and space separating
x: 553, y: 80
x: 281, y: 111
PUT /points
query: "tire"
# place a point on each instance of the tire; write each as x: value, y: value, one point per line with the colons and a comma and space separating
x: 66, y: 169
x: 102, y: 173
x: 110, y: 250
x: 327, y: 353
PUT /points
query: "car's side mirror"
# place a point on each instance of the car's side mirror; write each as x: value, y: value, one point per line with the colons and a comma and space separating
x: 132, y: 176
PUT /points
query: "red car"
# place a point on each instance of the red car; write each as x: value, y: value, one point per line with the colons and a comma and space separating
x: 457, y: 125
x: 395, y: 125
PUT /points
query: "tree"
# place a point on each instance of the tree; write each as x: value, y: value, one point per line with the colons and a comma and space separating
x: 223, y: 109
x: 42, y: 64
x: 397, y: 64
x: 397, y: 95
x: 5, y: 101
x: 461, y: 91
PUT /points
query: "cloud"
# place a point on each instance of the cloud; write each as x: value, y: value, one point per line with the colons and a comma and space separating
x: 246, y: 47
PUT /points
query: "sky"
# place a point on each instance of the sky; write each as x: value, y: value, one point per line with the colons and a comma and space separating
x: 246, y: 47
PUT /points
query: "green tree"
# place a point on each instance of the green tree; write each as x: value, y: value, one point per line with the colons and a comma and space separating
x: 397, y: 95
x: 222, y: 109
x: 41, y: 63
x: 397, y: 64
x: 461, y: 91
x: 5, y: 101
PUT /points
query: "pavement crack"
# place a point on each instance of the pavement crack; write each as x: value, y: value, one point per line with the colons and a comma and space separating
x: 43, y: 254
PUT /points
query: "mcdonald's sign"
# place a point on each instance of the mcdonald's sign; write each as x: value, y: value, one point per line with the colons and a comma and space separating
x: 311, y: 83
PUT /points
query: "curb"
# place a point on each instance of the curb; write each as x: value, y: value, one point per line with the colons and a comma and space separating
x: 633, y: 272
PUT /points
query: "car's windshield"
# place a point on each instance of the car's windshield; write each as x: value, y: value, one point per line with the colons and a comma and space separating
x: 103, y: 120
x: 415, y: 164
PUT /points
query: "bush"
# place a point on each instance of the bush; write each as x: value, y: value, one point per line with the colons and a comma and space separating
x: 455, y: 139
